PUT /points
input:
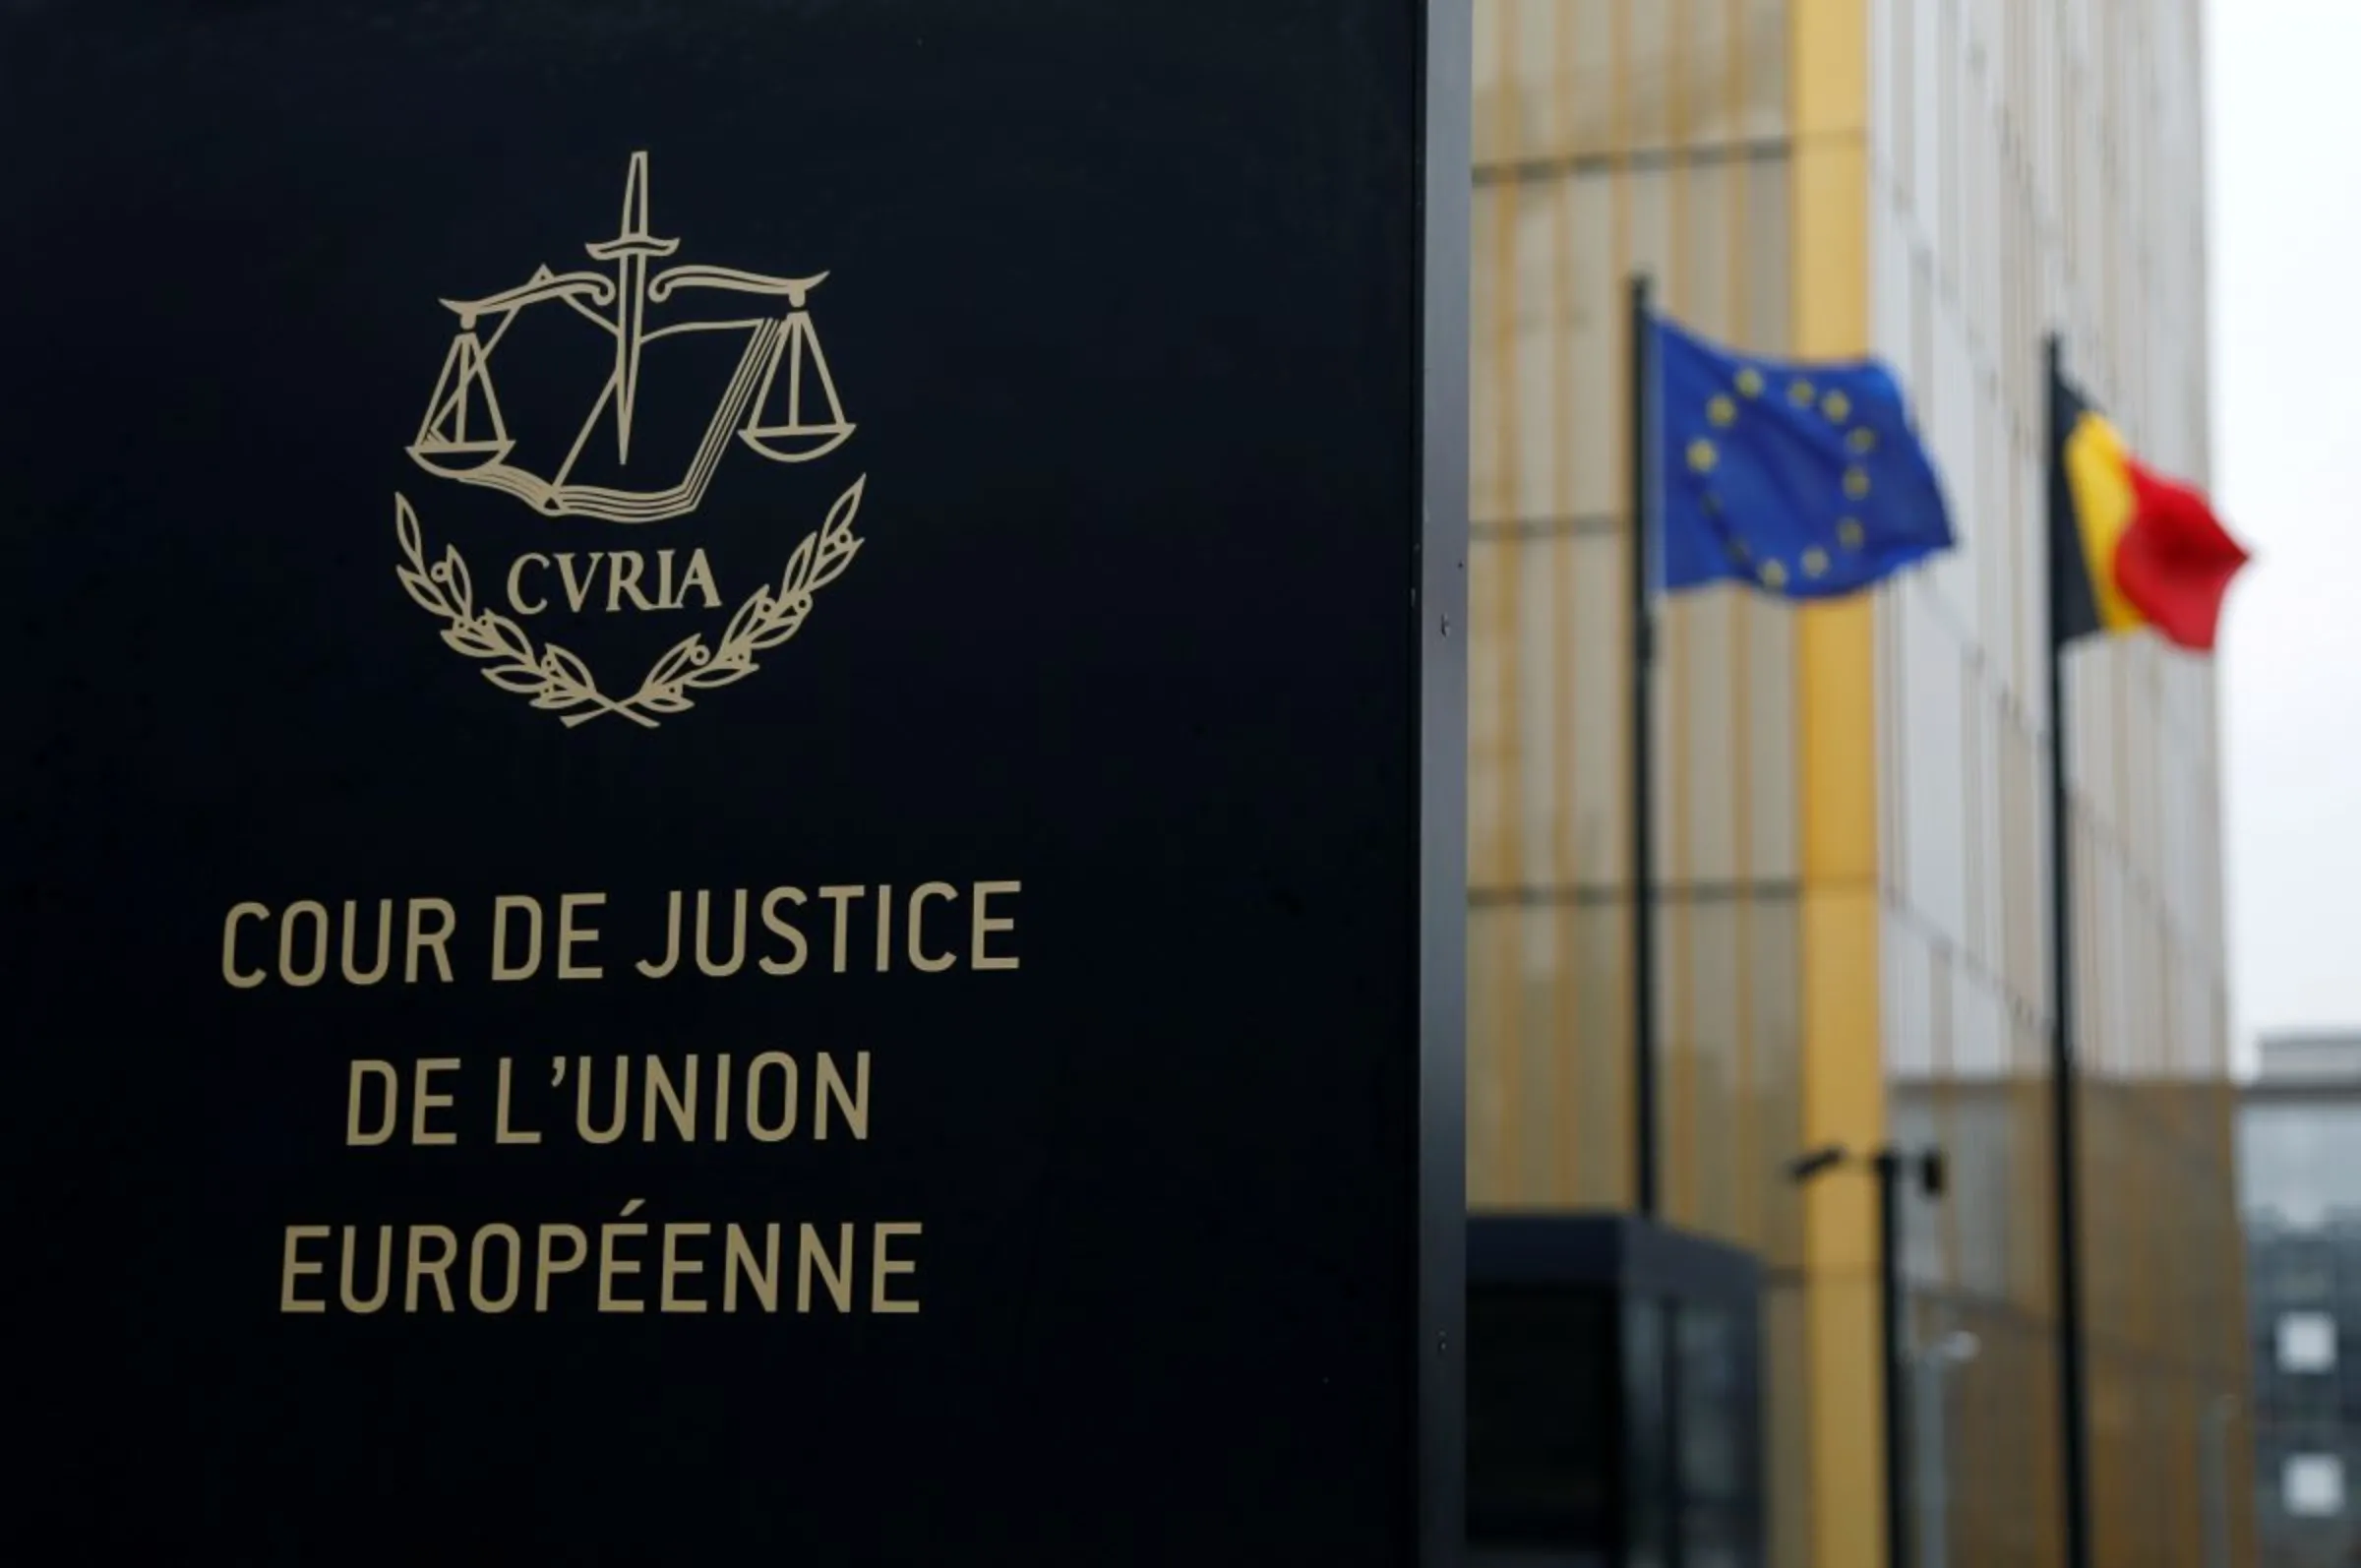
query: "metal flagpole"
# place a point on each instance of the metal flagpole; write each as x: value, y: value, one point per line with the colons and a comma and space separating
x: 1888, y: 1165
x: 2064, y: 1139
x: 1642, y: 748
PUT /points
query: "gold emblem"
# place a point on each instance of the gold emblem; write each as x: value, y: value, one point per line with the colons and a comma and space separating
x: 777, y: 400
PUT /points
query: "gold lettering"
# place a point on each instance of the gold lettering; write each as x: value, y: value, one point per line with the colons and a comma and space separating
x: 918, y: 958
x: 437, y: 1269
x: 423, y: 1100
x: 546, y: 1264
x: 317, y: 914
x: 581, y: 1101
x: 672, y: 942
x: 570, y: 934
x: 243, y: 979
x: 785, y: 1125
x: 313, y: 933
x: 383, y: 1072
x: 294, y: 1268
x: 385, y: 1273
x: 621, y: 581
x: 675, y: 1266
x: 385, y: 942
x: 882, y: 1266
x: 700, y: 577
x: 423, y: 940
x: 516, y: 587
x: 984, y: 926
x: 502, y: 1132
x: 798, y: 948
x: 841, y: 897
x: 837, y: 1274
x: 625, y: 570
x: 721, y: 1099
x: 741, y: 1259
x: 704, y: 946
x: 657, y: 1086
x: 855, y: 1105
x: 501, y: 908
x: 475, y: 1269
x: 612, y: 1267
x: 578, y: 594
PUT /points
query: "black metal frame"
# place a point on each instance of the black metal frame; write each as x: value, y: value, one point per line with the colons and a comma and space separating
x: 1888, y: 1163
x: 1439, y: 545
x: 1641, y: 718
x: 1609, y: 1247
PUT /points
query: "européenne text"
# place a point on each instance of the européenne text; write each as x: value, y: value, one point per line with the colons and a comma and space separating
x: 638, y: 1259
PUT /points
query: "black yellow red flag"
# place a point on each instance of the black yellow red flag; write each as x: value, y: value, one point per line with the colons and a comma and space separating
x: 2129, y: 546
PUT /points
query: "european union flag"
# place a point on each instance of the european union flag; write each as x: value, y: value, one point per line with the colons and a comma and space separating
x: 1801, y: 478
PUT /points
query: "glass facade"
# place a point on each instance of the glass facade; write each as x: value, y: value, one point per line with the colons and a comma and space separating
x: 2299, y: 1158
x: 1614, y: 1390
x: 2030, y: 165
x: 2299, y: 1161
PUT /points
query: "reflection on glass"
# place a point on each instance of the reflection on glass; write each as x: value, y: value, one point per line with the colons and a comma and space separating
x: 1647, y: 1413
x: 1711, y: 1407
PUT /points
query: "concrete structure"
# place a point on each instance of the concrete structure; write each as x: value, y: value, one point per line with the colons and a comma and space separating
x: 1850, y: 817
x: 2299, y: 1177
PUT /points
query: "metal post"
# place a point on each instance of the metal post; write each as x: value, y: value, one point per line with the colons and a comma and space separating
x: 1926, y: 1448
x: 2063, y: 1142
x: 1642, y: 748
x: 1934, y: 1365
x: 1888, y: 1163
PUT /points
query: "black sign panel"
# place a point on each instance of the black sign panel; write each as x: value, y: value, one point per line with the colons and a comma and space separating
x: 733, y: 777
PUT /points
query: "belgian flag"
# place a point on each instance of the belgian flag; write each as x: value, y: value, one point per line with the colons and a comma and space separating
x: 2129, y: 547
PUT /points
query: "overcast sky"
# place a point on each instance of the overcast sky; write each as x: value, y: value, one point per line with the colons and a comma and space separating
x: 2285, y: 213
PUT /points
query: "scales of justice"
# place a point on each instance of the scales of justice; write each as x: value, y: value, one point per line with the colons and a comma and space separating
x: 465, y: 438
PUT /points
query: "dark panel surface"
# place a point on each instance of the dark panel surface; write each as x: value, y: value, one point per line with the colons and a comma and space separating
x: 1124, y: 306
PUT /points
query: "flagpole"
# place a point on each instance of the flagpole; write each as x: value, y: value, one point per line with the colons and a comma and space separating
x: 2064, y: 1136
x: 1643, y: 759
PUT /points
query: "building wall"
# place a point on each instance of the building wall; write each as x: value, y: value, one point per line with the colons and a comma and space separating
x: 2306, y: 1406
x: 2039, y: 165
x: 1850, y: 801
x: 2299, y: 1149
x: 1612, y: 135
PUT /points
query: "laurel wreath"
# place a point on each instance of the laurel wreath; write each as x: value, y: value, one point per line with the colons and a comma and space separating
x: 556, y: 679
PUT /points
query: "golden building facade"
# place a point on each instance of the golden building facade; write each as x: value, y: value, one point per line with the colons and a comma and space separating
x: 1851, y: 813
